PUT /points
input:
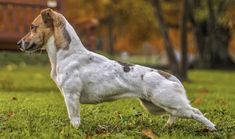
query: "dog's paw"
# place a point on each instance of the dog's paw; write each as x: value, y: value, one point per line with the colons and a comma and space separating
x: 75, y: 122
x: 213, y: 128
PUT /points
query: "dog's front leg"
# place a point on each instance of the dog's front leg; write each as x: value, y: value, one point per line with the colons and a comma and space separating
x: 71, y: 98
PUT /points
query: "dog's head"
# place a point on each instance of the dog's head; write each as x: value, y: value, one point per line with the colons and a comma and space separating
x: 48, y: 23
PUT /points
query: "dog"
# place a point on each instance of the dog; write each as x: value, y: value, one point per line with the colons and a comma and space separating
x: 84, y: 77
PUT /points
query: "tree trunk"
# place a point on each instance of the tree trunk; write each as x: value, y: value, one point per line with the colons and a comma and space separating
x: 211, y: 32
x: 183, y: 40
x: 200, y: 32
x: 211, y: 37
x: 110, y: 31
x: 164, y: 31
x: 111, y: 39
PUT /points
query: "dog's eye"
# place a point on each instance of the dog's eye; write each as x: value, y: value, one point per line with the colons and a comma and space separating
x: 33, y: 27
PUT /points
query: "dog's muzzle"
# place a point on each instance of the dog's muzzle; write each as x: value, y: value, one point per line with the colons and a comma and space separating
x: 26, y: 46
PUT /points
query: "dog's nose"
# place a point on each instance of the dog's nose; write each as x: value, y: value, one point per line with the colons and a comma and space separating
x: 23, y: 45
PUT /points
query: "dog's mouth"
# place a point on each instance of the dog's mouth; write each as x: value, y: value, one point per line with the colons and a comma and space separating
x: 32, y: 48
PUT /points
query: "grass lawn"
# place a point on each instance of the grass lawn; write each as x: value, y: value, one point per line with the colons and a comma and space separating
x: 32, y: 107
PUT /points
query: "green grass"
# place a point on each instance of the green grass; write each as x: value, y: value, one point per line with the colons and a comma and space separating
x: 32, y: 107
x: 22, y: 59
x: 7, y: 58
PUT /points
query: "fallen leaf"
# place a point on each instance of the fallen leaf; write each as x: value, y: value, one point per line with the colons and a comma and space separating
x: 221, y: 102
x: 102, y: 129
x: 203, y: 90
x: 149, y: 133
x: 10, y: 114
x: 88, y: 136
x: 197, y: 101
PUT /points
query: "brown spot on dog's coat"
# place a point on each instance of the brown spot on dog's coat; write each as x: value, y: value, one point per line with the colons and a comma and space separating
x: 164, y: 74
x: 126, y: 67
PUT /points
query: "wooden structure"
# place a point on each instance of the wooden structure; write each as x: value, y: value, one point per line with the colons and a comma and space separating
x: 87, y: 30
x: 16, y: 17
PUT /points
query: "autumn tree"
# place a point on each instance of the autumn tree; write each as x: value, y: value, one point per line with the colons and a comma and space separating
x: 183, y: 40
x: 139, y: 21
x: 132, y: 20
x: 178, y: 68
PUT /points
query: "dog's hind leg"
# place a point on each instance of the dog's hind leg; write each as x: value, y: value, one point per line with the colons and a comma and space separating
x: 153, y: 109
x: 172, y: 98
x: 197, y: 115
x: 179, y: 106
x: 190, y: 112
x: 150, y: 107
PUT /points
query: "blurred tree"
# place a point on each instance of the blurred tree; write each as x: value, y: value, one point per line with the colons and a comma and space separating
x: 133, y: 19
x: 212, y: 33
x: 135, y: 23
x: 168, y: 45
x: 183, y: 39
x: 178, y: 69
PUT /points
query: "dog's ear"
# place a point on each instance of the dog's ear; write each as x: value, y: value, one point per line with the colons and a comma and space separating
x: 48, y: 17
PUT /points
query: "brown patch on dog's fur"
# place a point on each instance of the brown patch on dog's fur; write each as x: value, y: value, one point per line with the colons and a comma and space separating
x: 62, y: 38
x: 164, y: 74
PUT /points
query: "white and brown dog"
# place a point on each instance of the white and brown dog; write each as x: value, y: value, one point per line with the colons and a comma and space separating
x: 85, y: 77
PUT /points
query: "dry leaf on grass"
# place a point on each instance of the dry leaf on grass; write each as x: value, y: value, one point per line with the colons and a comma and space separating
x: 88, y: 136
x: 149, y: 133
x: 197, y: 101
x: 203, y: 90
x: 10, y: 114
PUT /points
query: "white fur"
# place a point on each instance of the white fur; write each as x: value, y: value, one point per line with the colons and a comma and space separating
x: 86, y: 77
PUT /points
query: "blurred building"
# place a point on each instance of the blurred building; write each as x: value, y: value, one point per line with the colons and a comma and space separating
x: 16, y: 17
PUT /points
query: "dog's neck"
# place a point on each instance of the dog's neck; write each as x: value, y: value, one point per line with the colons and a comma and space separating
x: 56, y: 54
